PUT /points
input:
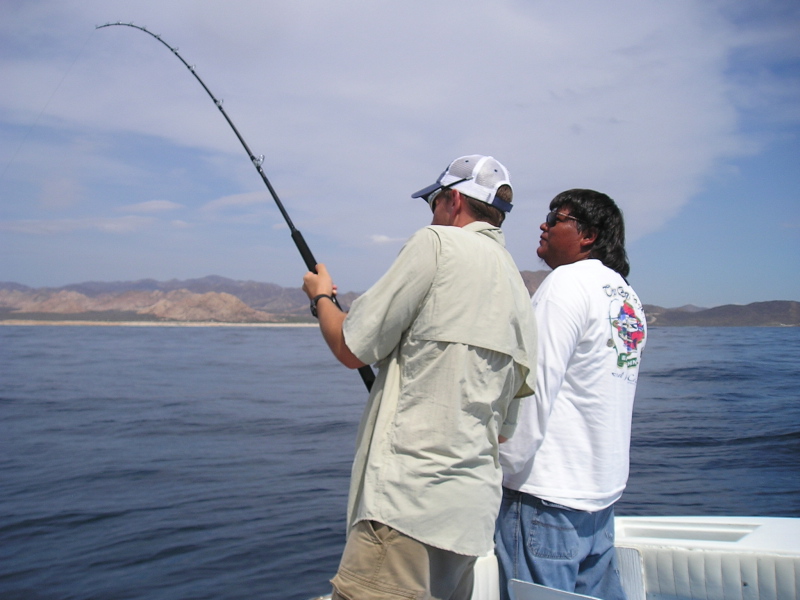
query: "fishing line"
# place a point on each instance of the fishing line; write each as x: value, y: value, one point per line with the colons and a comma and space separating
x: 44, y: 108
x: 366, y: 372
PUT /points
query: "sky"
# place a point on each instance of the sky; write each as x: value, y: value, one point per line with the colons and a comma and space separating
x: 115, y: 165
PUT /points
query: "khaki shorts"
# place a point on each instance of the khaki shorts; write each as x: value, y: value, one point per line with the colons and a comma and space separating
x: 380, y: 563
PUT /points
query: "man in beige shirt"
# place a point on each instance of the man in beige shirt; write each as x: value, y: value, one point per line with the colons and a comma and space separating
x: 452, y: 332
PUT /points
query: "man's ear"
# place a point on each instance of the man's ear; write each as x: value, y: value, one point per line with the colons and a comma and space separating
x: 457, y: 201
x: 588, y: 238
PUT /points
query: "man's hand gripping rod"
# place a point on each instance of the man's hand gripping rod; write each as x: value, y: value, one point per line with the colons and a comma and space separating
x: 366, y: 372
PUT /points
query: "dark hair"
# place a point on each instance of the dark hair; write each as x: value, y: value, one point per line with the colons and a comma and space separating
x: 597, y: 212
x: 486, y: 212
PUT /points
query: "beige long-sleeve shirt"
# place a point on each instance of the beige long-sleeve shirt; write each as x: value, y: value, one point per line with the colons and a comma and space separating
x: 451, y: 327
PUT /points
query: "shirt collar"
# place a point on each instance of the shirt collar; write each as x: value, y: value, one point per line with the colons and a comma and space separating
x: 488, y: 230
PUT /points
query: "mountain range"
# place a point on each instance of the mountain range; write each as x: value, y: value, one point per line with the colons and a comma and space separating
x: 220, y: 300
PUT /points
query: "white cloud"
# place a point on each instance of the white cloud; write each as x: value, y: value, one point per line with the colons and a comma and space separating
x: 385, y: 239
x: 236, y: 202
x: 152, y: 206
x: 59, y: 226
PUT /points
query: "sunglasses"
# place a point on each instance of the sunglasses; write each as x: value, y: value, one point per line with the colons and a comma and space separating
x: 552, y: 218
x: 431, y: 198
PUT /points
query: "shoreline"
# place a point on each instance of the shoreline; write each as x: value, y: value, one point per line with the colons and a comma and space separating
x: 74, y: 323
x: 77, y: 323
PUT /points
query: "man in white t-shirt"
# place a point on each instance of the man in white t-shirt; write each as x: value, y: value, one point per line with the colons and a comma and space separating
x: 451, y: 329
x: 568, y: 461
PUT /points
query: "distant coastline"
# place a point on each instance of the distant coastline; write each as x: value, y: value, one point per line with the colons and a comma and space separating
x: 219, y: 302
x: 30, y: 323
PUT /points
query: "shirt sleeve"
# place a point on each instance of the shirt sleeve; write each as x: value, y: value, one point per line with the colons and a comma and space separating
x: 560, y: 316
x: 557, y: 306
x: 509, y: 425
x: 378, y: 318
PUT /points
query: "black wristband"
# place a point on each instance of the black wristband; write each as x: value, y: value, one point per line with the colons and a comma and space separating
x: 314, y: 301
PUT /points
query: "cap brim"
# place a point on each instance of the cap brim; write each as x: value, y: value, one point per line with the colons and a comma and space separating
x: 427, y: 190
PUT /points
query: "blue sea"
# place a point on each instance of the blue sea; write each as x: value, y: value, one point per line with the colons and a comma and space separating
x: 166, y: 463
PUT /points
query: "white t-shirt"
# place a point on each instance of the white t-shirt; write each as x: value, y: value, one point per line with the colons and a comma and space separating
x: 571, y: 446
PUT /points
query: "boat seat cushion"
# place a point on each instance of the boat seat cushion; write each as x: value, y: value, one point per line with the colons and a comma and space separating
x: 681, y: 574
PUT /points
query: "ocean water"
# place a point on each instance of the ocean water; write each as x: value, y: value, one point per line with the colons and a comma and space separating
x: 166, y: 463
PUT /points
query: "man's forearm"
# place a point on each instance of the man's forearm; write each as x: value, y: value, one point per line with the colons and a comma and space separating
x: 331, y: 320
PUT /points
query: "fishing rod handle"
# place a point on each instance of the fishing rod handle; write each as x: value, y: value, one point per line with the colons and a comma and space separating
x: 367, y: 375
x: 305, y: 251
x: 308, y: 257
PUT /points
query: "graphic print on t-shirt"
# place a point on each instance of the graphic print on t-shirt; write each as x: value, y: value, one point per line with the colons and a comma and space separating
x: 627, y: 332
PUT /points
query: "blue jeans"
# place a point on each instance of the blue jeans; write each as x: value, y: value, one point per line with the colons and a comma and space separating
x: 556, y: 546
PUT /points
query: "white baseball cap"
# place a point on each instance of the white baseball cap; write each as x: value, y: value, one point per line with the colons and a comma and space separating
x: 476, y: 176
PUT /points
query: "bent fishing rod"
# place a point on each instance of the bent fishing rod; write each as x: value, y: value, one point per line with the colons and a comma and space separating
x: 366, y: 372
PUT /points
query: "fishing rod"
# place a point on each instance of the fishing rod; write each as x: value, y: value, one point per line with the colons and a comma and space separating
x: 366, y: 372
